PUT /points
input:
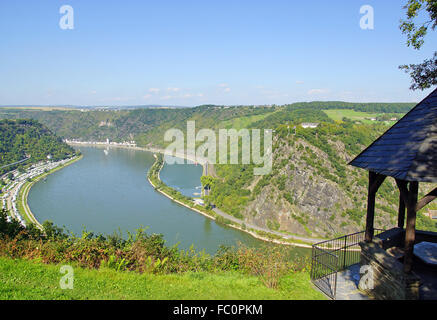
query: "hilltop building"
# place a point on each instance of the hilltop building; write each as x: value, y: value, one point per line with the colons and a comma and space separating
x: 306, y: 125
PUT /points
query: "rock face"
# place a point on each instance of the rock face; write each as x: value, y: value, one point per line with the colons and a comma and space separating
x: 307, y: 201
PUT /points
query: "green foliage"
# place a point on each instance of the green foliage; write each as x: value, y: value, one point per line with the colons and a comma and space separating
x: 292, y: 116
x: 423, y: 75
x: 221, y: 220
x: 416, y: 33
x: 230, y: 193
x: 289, y: 198
x: 280, y: 182
x: 22, y: 138
x: 113, y: 263
x: 355, y: 215
x: 207, y: 181
x: 141, y: 252
x: 300, y: 219
x: 425, y: 223
x: 9, y: 229
x: 273, y: 225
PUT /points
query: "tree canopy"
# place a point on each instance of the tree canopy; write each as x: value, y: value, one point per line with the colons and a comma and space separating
x: 20, y: 139
x: 423, y: 75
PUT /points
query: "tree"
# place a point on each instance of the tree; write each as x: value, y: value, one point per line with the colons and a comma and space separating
x: 207, y: 181
x: 423, y: 75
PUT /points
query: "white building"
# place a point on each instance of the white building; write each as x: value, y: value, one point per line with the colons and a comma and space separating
x: 199, y: 201
x: 309, y: 125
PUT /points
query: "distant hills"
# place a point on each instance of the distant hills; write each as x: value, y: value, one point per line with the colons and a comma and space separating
x: 76, y: 107
x: 366, y: 107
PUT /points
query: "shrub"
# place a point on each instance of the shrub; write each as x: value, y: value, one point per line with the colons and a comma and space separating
x: 268, y: 263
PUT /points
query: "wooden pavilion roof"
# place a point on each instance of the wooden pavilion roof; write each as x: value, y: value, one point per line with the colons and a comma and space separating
x: 408, y: 150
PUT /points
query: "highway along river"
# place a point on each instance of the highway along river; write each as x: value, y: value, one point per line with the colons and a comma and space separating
x: 108, y: 191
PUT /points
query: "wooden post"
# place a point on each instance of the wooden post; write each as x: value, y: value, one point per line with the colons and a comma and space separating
x: 410, y: 233
x: 370, y: 209
x: 403, y: 200
x: 375, y: 181
x: 401, y: 214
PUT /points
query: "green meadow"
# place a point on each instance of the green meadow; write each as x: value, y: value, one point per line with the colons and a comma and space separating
x: 339, y: 114
x: 23, y: 279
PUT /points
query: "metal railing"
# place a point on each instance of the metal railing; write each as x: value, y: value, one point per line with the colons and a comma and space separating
x: 331, y: 256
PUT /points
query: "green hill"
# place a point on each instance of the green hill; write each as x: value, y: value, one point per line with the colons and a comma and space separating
x: 23, y: 138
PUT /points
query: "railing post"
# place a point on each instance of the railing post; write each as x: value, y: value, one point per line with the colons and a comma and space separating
x: 312, y: 262
x: 326, y: 262
x: 344, y: 252
x: 335, y: 282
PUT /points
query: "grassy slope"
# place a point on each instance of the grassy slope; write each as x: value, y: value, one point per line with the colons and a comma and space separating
x: 243, y: 122
x: 339, y: 114
x: 21, y: 279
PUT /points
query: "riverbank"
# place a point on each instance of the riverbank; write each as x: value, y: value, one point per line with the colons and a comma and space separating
x: 23, y: 192
x: 187, y: 156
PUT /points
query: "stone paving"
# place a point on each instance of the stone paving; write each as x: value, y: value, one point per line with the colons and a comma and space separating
x: 347, y: 284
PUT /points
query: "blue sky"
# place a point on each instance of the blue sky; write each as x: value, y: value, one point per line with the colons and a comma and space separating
x: 195, y: 52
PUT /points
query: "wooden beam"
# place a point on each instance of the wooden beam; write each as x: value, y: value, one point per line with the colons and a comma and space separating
x: 426, y: 199
x: 401, y: 212
x: 403, y: 200
x: 403, y: 189
x: 375, y: 181
x: 410, y: 233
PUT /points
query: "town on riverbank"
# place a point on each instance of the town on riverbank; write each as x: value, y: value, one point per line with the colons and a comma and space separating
x: 18, y: 184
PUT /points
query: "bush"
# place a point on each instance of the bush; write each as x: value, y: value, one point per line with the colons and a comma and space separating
x: 268, y: 263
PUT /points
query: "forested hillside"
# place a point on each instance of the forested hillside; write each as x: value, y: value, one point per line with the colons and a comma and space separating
x: 122, y: 125
x: 20, y: 139
x: 147, y: 126
x: 311, y: 190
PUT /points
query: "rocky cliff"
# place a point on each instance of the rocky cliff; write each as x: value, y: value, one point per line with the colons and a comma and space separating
x: 304, y: 194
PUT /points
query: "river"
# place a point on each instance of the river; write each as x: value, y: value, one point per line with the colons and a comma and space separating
x: 109, y: 192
